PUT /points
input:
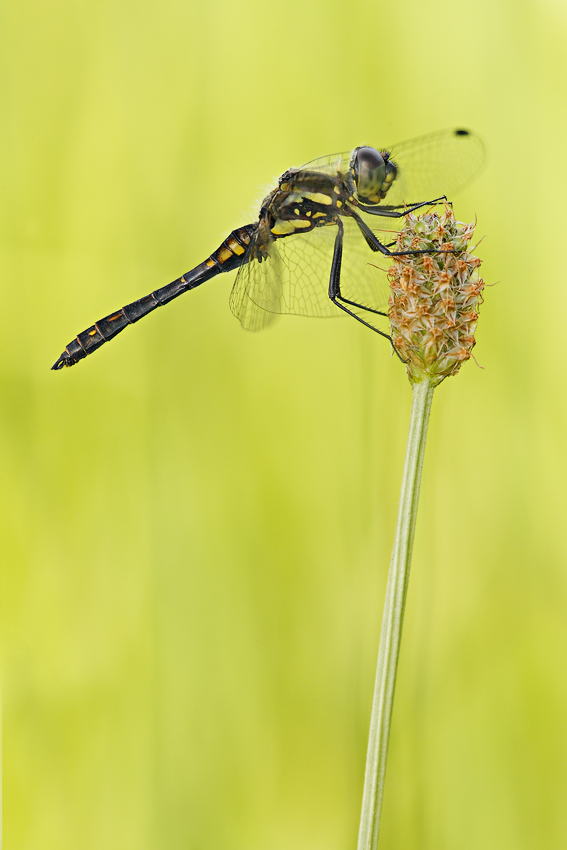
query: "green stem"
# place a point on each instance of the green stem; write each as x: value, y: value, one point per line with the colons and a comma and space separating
x: 393, y: 619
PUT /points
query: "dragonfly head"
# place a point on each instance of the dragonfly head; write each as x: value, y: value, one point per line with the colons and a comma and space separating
x: 372, y: 173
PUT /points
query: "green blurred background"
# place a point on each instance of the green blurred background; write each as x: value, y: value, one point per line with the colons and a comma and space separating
x: 196, y: 521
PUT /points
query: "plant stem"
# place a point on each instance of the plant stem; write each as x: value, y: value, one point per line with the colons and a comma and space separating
x: 392, y: 622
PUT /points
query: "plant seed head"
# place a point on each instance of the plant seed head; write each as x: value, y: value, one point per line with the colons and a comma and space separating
x: 434, y: 298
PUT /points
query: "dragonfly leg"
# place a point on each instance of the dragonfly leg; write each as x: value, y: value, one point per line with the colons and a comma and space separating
x: 335, y: 288
x: 362, y: 307
x: 392, y: 212
x: 376, y: 245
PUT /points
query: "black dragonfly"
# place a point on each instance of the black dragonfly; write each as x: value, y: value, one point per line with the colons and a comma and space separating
x: 310, y: 251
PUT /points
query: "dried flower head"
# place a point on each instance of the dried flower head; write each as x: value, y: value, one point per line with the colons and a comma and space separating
x: 434, y: 298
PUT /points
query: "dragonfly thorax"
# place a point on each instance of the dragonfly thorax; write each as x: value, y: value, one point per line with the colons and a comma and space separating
x: 372, y: 173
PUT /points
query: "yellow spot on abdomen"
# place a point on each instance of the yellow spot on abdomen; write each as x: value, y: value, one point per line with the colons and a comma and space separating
x: 235, y: 246
x: 223, y: 254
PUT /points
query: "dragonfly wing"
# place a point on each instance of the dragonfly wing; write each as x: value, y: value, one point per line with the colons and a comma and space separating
x: 434, y: 165
x: 330, y: 164
x: 256, y: 296
x: 290, y: 279
x: 294, y: 278
x: 428, y: 167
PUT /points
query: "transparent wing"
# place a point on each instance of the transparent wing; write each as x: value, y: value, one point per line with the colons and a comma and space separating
x: 434, y: 165
x: 257, y: 292
x: 294, y: 279
x: 428, y: 167
x: 329, y: 164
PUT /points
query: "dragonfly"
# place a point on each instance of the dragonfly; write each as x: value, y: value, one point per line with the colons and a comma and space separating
x: 309, y: 252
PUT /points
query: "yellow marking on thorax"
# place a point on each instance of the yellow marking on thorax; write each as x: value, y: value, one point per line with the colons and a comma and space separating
x: 283, y: 227
x: 317, y: 198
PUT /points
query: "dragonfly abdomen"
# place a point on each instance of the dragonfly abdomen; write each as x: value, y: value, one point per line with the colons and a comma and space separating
x: 230, y: 255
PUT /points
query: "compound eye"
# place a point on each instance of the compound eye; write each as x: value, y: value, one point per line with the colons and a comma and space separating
x: 369, y: 171
x: 391, y: 174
